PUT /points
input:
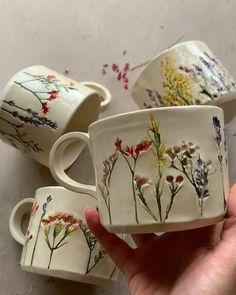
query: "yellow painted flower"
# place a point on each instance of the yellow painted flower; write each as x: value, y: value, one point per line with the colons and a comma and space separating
x: 177, y: 86
x: 154, y: 124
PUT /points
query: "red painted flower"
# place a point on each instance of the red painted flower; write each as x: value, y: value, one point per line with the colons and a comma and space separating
x: 34, y: 208
x: 51, y: 77
x: 143, y: 146
x: 45, y: 108
x: 179, y: 179
x: 185, y: 69
x: 53, y: 94
x: 170, y: 178
x: 118, y: 143
x: 129, y: 151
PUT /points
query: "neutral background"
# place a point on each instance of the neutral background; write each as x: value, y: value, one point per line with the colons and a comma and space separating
x: 82, y: 35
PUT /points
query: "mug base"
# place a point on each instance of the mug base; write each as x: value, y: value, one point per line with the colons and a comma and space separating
x: 71, y: 276
x: 164, y: 227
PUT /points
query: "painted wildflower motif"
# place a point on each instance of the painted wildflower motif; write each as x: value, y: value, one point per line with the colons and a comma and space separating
x: 207, y: 77
x: 91, y: 243
x: 17, y: 138
x: 131, y: 154
x: 43, y: 212
x: 57, y: 228
x: 14, y: 133
x: 184, y: 159
x: 218, y: 140
x: 108, y: 166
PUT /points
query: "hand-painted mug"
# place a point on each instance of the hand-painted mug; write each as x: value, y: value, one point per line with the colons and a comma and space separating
x: 157, y: 170
x: 186, y: 74
x: 38, y: 105
x: 58, y: 242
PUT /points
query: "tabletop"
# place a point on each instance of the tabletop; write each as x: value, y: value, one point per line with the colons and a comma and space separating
x: 78, y: 37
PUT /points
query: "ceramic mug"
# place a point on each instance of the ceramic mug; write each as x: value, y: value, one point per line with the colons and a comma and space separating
x: 186, y: 74
x: 157, y: 170
x: 58, y: 242
x: 38, y: 105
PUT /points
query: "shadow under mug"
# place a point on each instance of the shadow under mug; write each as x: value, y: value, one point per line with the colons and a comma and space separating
x: 157, y: 170
x: 186, y: 74
x: 38, y: 105
x: 58, y: 242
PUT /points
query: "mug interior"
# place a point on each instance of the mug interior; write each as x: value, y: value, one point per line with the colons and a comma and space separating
x: 86, y: 113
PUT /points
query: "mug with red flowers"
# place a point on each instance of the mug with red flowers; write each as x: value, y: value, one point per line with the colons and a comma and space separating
x: 162, y: 169
x: 58, y: 242
x: 38, y: 105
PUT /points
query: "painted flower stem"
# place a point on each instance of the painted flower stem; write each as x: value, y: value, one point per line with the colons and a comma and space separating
x: 112, y: 273
x: 132, y: 171
x: 51, y: 253
x: 36, y: 240
x: 89, y: 259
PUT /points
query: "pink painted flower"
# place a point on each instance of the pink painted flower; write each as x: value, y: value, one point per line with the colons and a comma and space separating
x: 51, y: 77
x: 141, y: 181
x: 118, y: 143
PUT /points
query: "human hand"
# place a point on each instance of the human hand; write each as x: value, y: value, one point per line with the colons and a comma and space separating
x: 189, y: 262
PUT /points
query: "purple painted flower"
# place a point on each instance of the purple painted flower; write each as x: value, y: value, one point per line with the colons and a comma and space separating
x: 198, y: 70
x: 201, y: 173
x: 45, y: 204
x: 211, y: 58
x: 217, y: 126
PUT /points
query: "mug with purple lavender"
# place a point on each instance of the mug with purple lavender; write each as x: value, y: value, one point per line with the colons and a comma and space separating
x: 157, y: 170
x: 58, y: 242
x: 38, y: 105
x: 186, y: 74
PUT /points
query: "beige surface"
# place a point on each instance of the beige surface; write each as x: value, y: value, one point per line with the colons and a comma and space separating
x: 82, y: 35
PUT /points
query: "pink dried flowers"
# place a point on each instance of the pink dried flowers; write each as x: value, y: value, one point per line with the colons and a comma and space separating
x: 121, y: 73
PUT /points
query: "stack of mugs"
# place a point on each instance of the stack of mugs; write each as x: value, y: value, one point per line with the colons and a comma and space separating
x: 160, y: 169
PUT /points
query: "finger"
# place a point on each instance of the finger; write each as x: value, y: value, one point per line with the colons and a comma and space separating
x: 118, y: 250
x: 231, y: 211
x: 228, y: 235
x: 142, y: 239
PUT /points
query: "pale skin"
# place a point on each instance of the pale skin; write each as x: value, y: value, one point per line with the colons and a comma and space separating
x: 193, y: 262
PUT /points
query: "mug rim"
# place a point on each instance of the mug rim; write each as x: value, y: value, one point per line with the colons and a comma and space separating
x: 163, y: 52
x: 153, y: 110
x: 58, y: 187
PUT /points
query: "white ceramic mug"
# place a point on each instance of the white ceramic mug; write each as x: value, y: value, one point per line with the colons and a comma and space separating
x: 58, y: 242
x: 186, y: 74
x: 156, y: 170
x: 38, y: 105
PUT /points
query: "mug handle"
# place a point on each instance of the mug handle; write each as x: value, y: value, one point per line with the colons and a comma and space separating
x: 56, y: 163
x: 103, y: 92
x: 16, y: 218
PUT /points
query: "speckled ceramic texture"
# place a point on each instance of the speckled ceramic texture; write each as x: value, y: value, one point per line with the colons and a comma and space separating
x: 58, y: 242
x: 185, y: 74
x: 38, y: 105
x: 161, y: 169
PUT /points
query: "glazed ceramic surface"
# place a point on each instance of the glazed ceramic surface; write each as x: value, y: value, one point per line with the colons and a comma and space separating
x: 185, y: 74
x: 58, y: 242
x: 38, y: 105
x: 161, y: 169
